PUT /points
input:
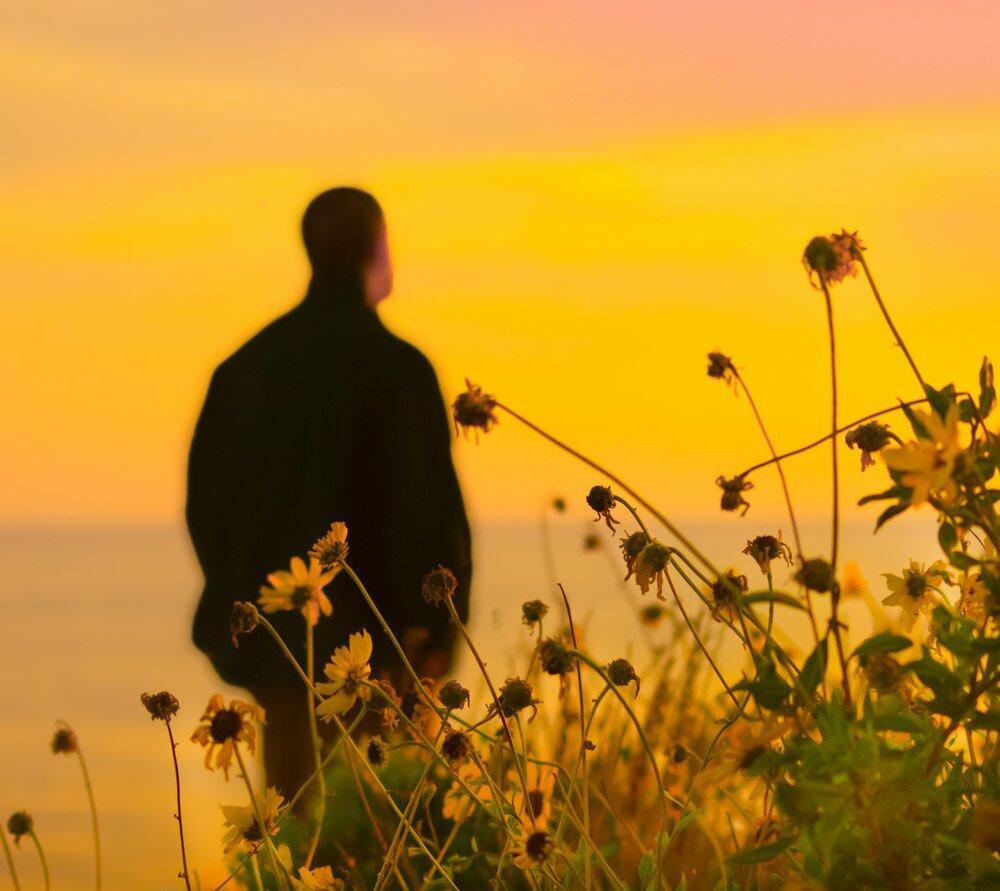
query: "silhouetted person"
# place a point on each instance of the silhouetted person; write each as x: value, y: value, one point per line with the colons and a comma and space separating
x: 325, y: 415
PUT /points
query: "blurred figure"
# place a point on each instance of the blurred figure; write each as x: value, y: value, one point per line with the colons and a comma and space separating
x: 325, y: 415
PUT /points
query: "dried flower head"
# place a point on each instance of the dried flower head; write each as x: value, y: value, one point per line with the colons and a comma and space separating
x: 19, y: 825
x: 331, y: 550
x: 591, y: 542
x: 767, y: 548
x: 632, y: 546
x: 439, y: 585
x: 161, y: 706
x: 474, y: 409
x: 377, y: 751
x: 652, y: 615
x: 533, y: 611
x: 725, y: 595
x: 601, y: 500
x: 816, y: 575
x: 242, y: 828
x: 346, y: 671
x: 868, y: 438
x: 831, y: 258
x: 622, y: 672
x: 298, y: 588
x: 453, y: 695
x: 721, y: 367
x: 515, y: 695
x: 456, y: 746
x: 555, y: 657
x: 243, y: 620
x: 64, y: 741
x: 732, y: 493
x: 223, y: 728
x: 650, y: 566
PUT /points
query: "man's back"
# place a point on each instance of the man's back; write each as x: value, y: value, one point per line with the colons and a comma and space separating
x: 324, y: 415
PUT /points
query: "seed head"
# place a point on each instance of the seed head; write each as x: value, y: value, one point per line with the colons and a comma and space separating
x: 456, y: 746
x: 453, y: 695
x: 831, y: 258
x: 868, y: 438
x: 601, y: 500
x: 555, y: 657
x: 650, y: 566
x: 732, y: 493
x: 721, y: 367
x: 621, y: 673
x: 161, y: 706
x: 632, y: 546
x: 377, y: 752
x: 19, y: 825
x: 64, y: 741
x: 515, y: 695
x: 243, y: 620
x: 816, y: 575
x: 439, y: 585
x: 725, y: 594
x: 767, y: 548
x: 473, y: 409
x: 533, y: 611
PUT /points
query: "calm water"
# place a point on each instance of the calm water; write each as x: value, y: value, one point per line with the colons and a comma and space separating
x: 92, y: 618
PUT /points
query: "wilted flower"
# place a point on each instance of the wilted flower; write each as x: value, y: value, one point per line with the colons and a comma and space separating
x: 243, y: 620
x: 19, y: 825
x: 621, y: 673
x: 161, y: 706
x: 725, y: 593
x: 243, y: 828
x: 926, y: 465
x: 720, y: 366
x: 632, y: 546
x: 650, y: 566
x: 223, y: 729
x: 869, y: 438
x: 913, y: 591
x: 601, y: 500
x: 767, y: 548
x: 346, y: 670
x: 300, y: 588
x: 832, y: 258
x: 64, y: 741
x: 533, y: 846
x: 473, y: 409
x: 816, y: 575
x: 515, y: 695
x: 456, y: 746
x: 377, y: 752
x: 453, y: 695
x: 331, y: 550
x: 533, y: 611
x: 732, y: 493
x: 319, y: 879
x: 439, y: 585
x: 555, y: 657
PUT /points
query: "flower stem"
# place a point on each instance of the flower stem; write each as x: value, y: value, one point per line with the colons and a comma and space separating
x: 888, y: 319
x: 317, y: 745
x: 279, y: 869
x: 8, y: 856
x: 180, y: 821
x: 41, y: 858
x: 93, y: 816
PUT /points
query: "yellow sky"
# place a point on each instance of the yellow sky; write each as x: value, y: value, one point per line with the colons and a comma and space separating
x: 559, y: 235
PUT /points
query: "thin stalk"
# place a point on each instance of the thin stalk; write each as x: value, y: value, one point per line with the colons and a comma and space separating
x: 317, y: 745
x: 41, y: 858
x: 180, y: 821
x: 580, y: 759
x: 888, y: 319
x: 93, y: 816
x: 256, y: 872
x: 276, y: 863
x: 9, y: 857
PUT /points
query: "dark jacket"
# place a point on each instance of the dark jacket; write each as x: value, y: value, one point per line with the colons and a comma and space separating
x: 322, y: 416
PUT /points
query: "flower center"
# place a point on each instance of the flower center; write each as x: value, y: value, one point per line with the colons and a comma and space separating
x: 537, y: 846
x: 916, y: 585
x: 225, y: 725
x: 300, y: 596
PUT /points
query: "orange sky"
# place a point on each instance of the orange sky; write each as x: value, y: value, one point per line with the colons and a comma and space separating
x: 584, y: 198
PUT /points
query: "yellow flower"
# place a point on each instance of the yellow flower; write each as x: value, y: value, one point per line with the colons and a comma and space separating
x: 541, y: 784
x: 332, y: 548
x: 456, y: 799
x: 746, y: 742
x: 913, y: 591
x: 224, y: 728
x: 854, y: 584
x: 320, y: 879
x: 242, y: 822
x: 926, y: 465
x: 300, y: 589
x: 532, y: 846
x: 346, y: 670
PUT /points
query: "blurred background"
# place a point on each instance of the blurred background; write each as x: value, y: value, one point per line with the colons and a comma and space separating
x: 583, y: 199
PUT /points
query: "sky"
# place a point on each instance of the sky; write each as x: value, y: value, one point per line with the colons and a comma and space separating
x: 583, y: 199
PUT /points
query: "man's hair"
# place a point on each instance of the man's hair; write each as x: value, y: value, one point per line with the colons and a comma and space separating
x: 339, y: 229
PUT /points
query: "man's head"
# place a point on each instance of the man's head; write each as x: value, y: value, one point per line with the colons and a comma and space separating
x: 345, y: 237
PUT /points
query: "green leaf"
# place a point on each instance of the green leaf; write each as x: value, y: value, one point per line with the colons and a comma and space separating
x: 985, y: 721
x: 815, y: 668
x: 646, y: 870
x: 768, y: 689
x: 886, y: 642
x: 940, y: 400
x: 761, y: 854
x: 892, y: 492
x: 892, y: 511
x: 918, y: 426
x: 987, y: 390
x: 947, y: 537
x: 773, y: 597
